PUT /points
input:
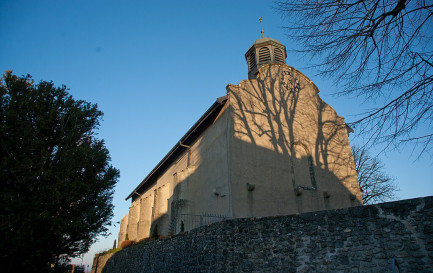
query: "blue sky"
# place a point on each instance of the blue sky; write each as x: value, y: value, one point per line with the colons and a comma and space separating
x: 153, y: 68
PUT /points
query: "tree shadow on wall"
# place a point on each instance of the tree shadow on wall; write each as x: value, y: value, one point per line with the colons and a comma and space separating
x: 282, y: 112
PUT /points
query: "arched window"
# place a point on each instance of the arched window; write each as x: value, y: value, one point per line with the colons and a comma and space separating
x: 304, y: 167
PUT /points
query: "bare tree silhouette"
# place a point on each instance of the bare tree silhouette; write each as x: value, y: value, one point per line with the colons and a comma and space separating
x: 376, y: 186
x: 378, y: 50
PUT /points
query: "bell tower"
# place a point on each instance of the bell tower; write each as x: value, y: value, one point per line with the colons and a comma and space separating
x: 264, y: 51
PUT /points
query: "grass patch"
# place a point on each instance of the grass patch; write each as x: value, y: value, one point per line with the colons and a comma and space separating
x: 113, y: 250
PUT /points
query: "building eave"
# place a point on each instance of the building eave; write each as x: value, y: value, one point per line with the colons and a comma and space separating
x: 187, y: 139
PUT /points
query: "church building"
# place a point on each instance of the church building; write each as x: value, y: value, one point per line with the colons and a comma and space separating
x: 270, y: 146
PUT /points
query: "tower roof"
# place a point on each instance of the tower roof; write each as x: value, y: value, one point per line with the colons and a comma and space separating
x: 266, y: 39
x: 264, y: 51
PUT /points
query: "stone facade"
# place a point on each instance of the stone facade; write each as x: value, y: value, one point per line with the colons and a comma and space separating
x: 375, y: 238
x: 270, y: 147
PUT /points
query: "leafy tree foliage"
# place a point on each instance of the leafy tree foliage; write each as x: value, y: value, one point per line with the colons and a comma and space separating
x: 376, y: 186
x: 381, y: 50
x: 56, y: 181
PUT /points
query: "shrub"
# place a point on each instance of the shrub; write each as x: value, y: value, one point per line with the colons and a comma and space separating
x: 126, y: 243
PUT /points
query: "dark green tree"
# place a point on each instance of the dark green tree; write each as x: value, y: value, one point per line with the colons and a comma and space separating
x: 56, y: 180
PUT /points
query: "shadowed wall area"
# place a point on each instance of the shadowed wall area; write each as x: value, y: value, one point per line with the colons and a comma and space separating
x: 375, y: 238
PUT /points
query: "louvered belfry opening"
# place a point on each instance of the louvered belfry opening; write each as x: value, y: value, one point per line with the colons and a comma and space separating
x: 264, y: 51
x: 252, y: 61
x: 264, y: 55
x: 279, y: 55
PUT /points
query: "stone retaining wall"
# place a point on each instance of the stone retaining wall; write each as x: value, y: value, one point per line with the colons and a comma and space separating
x: 359, y: 239
x: 99, y: 262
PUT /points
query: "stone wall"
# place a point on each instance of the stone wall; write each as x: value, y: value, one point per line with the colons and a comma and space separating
x: 358, y: 239
x: 99, y: 262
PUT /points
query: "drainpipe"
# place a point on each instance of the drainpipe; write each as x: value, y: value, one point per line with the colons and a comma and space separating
x: 139, y: 195
x: 189, y: 152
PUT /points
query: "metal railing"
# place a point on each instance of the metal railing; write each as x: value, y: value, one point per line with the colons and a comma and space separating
x: 186, y: 222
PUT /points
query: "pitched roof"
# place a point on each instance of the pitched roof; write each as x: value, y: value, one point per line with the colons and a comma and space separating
x: 196, y: 130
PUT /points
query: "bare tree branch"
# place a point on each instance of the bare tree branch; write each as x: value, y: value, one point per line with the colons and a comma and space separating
x: 376, y: 186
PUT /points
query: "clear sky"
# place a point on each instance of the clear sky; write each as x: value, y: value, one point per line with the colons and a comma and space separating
x: 153, y: 68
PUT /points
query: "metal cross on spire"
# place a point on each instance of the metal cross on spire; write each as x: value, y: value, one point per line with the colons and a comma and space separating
x: 261, y: 25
